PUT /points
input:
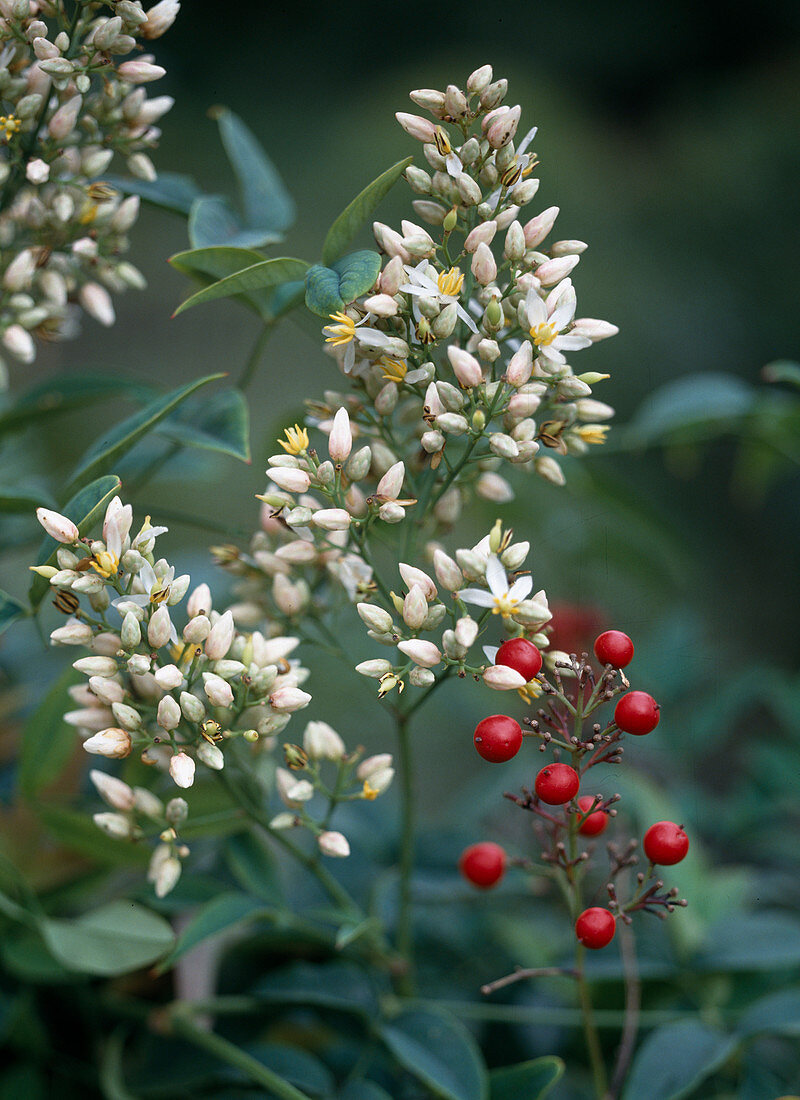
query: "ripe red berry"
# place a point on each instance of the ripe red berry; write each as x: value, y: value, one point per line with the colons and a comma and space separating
x: 557, y: 784
x: 614, y: 648
x: 483, y: 864
x: 665, y: 843
x: 595, y: 822
x: 636, y: 712
x: 595, y: 927
x: 521, y: 655
x: 498, y: 738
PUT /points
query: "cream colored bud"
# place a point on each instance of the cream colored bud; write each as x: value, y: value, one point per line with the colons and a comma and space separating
x: 130, y: 631
x: 466, y: 631
x: 96, y: 666
x: 432, y: 441
x: 289, y: 699
x: 181, y: 768
x: 293, y: 481
x: 503, y: 678
x: 168, y: 715
x: 199, y: 603
x: 481, y: 234
x: 421, y: 677
x: 220, y: 637
x: 514, y: 556
x: 391, y: 484
x: 128, y: 717
x: 116, y: 825
x: 19, y: 342
x: 322, y: 742
x: 549, y: 469
x: 74, y: 633
x: 447, y: 572
x: 375, y: 668
x: 493, y: 487
x: 514, y: 248
x: 20, y: 271
x: 140, y: 72
x: 537, y: 228
x: 484, y: 266
x: 373, y: 764
x: 380, y: 779
x: 57, y: 526
x: 113, y: 791
x: 391, y: 512
x: 413, y: 576
x: 466, y: 367
x: 159, y: 19
x: 376, y: 618
x: 424, y: 653
x: 218, y: 691
x: 63, y: 121
x: 469, y: 190
x: 148, y: 804
x: 415, y: 607
x: 593, y: 329
x: 165, y: 871
x: 591, y: 411
x: 452, y: 423
x: 448, y: 508
x: 159, y: 629
x: 197, y: 629
x: 138, y: 664
x: 503, y: 445
x: 168, y: 677
x: 191, y: 707
x: 503, y: 128
x: 418, y: 180
x: 333, y: 844
x: 211, y: 756
x: 553, y: 271
x: 420, y: 128
x: 112, y: 742
x: 96, y: 300
x: 392, y: 277
x: 331, y: 519
x: 340, y: 441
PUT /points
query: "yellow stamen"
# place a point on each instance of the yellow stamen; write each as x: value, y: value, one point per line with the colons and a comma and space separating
x: 343, y: 331
x: 531, y: 691
x: 442, y: 142
x: 543, y: 335
x: 394, y: 369
x: 10, y: 125
x: 450, y: 282
x: 592, y: 433
x: 88, y: 213
x: 105, y: 563
x: 369, y: 792
x: 296, y: 441
x: 504, y: 606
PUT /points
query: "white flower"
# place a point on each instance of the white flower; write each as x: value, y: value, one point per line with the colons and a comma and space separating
x: 181, y: 768
x: 501, y: 598
x: 445, y: 289
x: 333, y: 844
x: 545, y: 327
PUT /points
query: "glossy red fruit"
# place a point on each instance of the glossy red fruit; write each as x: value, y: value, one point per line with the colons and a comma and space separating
x: 521, y: 655
x: 614, y: 648
x: 665, y: 843
x: 636, y: 712
x: 483, y: 864
x: 595, y: 822
x: 557, y: 784
x: 498, y: 738
x: 595, y: 927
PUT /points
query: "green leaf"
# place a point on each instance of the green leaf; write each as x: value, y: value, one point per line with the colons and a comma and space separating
x: 363, y: 1090
x: 84, y: 509
x: 531, y: 1080
x: 752, y: 941
x: 301, y: 1068
x: 266, y: 202
x: 266, y: 273
x: 220, y: 423
x: 675, y: 1059
x: 439, y: 1051
x: 360, y: 210
x: 78, y: 833
x: 213, y: 222
x: 105, y: 451
x: 776, y: 1014
x: 10, y: 610
x: 253, y: 866
x: 171, y: 191
x: 782, y: 370
x: 25, y: 956
x: 110, y: 1069
x: 116, y: 938
x: 697, y: 402
x: 22, y: 501
x: 329, y: 289
x: 216, y: 916
x: 73, y: 392
x: 207, y: 265
x: 48, y: 741
x: 338, y: 986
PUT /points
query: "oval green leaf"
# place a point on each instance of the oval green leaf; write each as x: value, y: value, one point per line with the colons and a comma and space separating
x: 267, y: 273
x: 216, y: 916
x: 363, y: 1090
x: 674, y: 1060
x: 77, y: 832
x: 58, y: 395
x: 213, y: 222
x: 776, y: 1014
x: 171, y: 191
x: 220, y: 423
x: 531, y: 1080
x: 752, y: 941
x: 322, y: 291
x: 329, y: 289
x: 266, y: 203
x: 48, y: 741
x: 439, y: 1051
x: 10, y: 610
x: 116, y: 938
x: 359, y: 210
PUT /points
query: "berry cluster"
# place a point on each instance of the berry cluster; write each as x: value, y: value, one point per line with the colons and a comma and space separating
x: 560, y: 727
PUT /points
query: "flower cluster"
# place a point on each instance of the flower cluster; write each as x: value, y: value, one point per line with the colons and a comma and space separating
x: 71, y: 96
x: 465, y: 336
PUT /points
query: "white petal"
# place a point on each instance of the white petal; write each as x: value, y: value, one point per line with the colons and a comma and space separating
x: 496, y: 576
x: 520, y: 588
x: 477, y: 596
x: 454, y: 165
x: 571, y: 343
x: 490, y: 652
x: 523, y: 145
x: 465, y: 317
x: 535, y: 309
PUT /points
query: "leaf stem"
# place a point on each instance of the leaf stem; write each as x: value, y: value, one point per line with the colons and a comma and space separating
x: 250, y: 367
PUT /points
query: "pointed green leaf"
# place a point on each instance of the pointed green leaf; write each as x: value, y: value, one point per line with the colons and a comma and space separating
x: 220, y: 423
x: 213, y: 222
x: 76, y: 831
x: 48, y: 741
x: 329, y: 289
x: 20, y: 501
x: 338, y: 986
x: 84, y: 509
x: 359, y: 211
x: 439, y: 1051
x: 675, y: 1059
x: 265, y: 201
x: 363, y: 1090
x: 775, y: 1014
x: 254, y: 867
x: 762, y: 940
x: 267, y: 273
x: 207, y: 265
x: 293, y: 1064
x: 10, y: 610
x: 58, y: 395
x: 216, y: 916
x: 171, y: 191
x: 116, y: 938
x: 105, y: 451
x: 531, y: 1080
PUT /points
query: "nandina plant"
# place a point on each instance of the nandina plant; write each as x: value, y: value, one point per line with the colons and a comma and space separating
x: 452, y: 347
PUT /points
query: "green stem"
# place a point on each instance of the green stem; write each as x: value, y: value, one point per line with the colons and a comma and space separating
x: 633, y: 1000
x: 249, y: 370
x: 589, y: 1028
x: 226, y: 1051
x: 405, y: 931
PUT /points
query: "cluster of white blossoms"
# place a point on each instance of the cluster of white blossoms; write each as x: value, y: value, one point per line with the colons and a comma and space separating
x: 71, y: 97
x: 464, y: 338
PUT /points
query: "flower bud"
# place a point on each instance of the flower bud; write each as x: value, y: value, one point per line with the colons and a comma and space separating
x: 537, y: 228
x: 159, y: 18
x: 424, y: 653
x: 420, y: 677
x: 374, y: 668
x: 503, y: 445
x: 590, y: 411
x: 116, y: 825
x: 177, y: 811
x: 376, y: 618
x: 593, y: 329
x: 57, y: 526
x: 181, y: 768
x: 452, y: 423
x: 128, y: 717
x: 140, y: 72
x: 130, y: 632
x: 484, y: 266
x: 553, y: 271
x: 289, y: 699
x: 112, y: 742
x: 168, y: 677
x: 549, y: 469
x: 466, y: 367
x: 63, y: 121
x: 96, y: 301
x: 96, y: 666
x: 503, y: 678
x: 466, y: 631
x: 218, y: 691
x: 74, y: 633
x: 164, y: 870
x: 524, y: 191
x: 113, y: 791
x: 211, y: 756
x: 197, y: 629
x: 159, y: 629
x: 415, y: 607
x: 168, y: 715
x: 514, y: 248
x: 191, y: 707
x: 333, y: 844
x: 322, y: 742
x: 331, y: 519
x: 220, y: 637
x: 199, y: 603
x: 493, y: 487
x: 293, y: 481
x: 481, y: 234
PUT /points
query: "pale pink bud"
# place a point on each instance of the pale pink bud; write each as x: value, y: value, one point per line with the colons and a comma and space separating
x: 44, y: 49
x: 91, y: 718
x: 322, y: 742
x: 494, y: 487
x: 74, y: 633
x: 503, y: 678
x: 484, y: 266
x: 168, y: 715
x: 20, y: 271
x: 480, y: 79
x: 381, y: 779
x: 506, y: 217
x: 289, y: 597
x: 293, y: 481
x: 218, y: 691
x: 197, y: 629
x: 140, y: 72
x: 159, y: 18
x: 537, y: 228
x: 591, y: 411
x: 391, y: 512
x: 63, y: 121
x: 340, y: 441
x: 220, y: 638
x: 549, y: 469
x: 57, y: 526
x: 96, y: 666
x: 391, y: 242
x: 375, y: 668
x: 420, y: 128
x: 331, y: 519
x: 164, y: 870
x: 415, y: 607
x: 96, y: 300
x: 392, y: 277
x: 19, y: 342
x: 593, y: 329
x: 168, y: 677
x: 126, y: 214
x: 424, y: 653
x: 466, y: 631
x: 553, y: 271
x: 112, y: 742
x: 333, y: 844
x: 181, y: 768
x: 391, y: 484
x: 382, y: 305
x: 373, y: 764
x: 211, y: 756
x: 411, y: 575
x: 520, y: 365
x: 289, y: 699
x: 466, y: 367
x: 502, y: 129
x: 113, y: 791
x: 481, y: 234
x: 447, y: 572
x: 115, y: 825
x: 159, y: 628
x: 376, y: 618
x: 298, y: 552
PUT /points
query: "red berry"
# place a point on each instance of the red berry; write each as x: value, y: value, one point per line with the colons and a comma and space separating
x: 614, y: 648
x: 483, y: 864
x: 521, y: 655
x: 498, y: 738
x: 595, y: 822
x: 636, y: 712
x: 557, y: 784
x: 665, y: 843
x: 595, y: 927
